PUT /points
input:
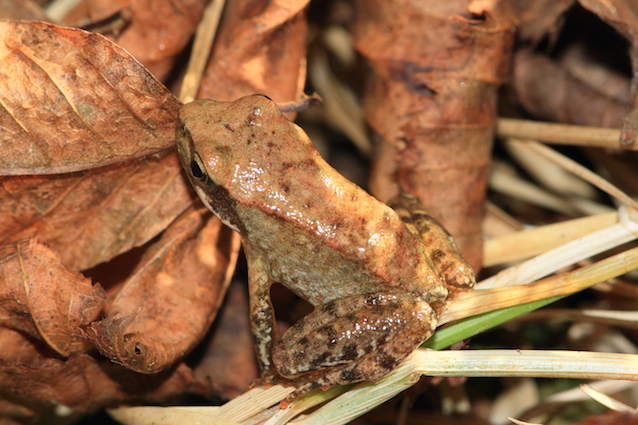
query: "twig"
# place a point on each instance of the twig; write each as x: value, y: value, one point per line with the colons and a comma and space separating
x: 58, y: 9
x: 561, y: 133
x: 202, y: 45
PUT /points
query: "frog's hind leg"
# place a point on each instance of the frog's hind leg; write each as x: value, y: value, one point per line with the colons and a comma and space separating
x: 353, y: 339
x: 371, y: 368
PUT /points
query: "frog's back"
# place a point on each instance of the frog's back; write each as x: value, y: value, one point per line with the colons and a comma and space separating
x: 324, y: 236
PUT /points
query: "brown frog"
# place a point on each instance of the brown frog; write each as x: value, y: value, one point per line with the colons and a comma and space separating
x: 378, y: 278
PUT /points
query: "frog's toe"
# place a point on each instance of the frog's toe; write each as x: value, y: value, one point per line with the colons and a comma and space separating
x: 269, y: 380
x: 301, y: 390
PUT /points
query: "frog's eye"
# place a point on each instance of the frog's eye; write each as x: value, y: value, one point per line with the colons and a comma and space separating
x: 197, y: 169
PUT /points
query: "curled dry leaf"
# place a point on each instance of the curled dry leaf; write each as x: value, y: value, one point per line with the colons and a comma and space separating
x: 622, y: 15
x: 159, y: 29
x: 549, y: 91
x: 41, y: 297
x: 19, y: 347
x: 72, y: 100
x: 91, y: 217
x: 240, y: 65
x: 34, y: 384
x: 432, y: 99
x: 170, y: 300
x: 538, y: 18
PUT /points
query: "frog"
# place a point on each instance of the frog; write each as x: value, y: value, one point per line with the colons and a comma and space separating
x: 378, y: 276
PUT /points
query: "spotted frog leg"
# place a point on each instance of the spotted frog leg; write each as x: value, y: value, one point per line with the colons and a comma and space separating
x: 365, y: 337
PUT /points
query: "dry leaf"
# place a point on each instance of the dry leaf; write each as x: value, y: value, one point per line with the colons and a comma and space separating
x: 432, y: 99
x: 540, y: 17
x: 41, y: 297
x: 159, y: 29
x: 622, y: 15
x: 231, y: 348
x: 72, y: 100
x: 240, y: 65
x: 89, y: 218
x: 27, y: 10
x: 170, y: 300
x: 39, y: 383
x: 582, y: 65
x: 548, y: 91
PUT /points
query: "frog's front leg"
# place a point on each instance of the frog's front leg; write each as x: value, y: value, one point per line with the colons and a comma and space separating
x: 262, y: 314
x: 356, y: 338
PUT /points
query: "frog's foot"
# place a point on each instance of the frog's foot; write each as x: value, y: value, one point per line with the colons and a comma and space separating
x: 370, y: 368
x: 301, y: 390
x: 270, y: 380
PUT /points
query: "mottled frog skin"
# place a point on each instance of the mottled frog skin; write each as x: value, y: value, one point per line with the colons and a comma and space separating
x: 377, y: 277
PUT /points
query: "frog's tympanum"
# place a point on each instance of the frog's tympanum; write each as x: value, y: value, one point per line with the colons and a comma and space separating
x: 377, y: 277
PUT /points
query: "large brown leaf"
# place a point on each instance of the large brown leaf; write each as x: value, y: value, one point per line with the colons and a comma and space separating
x: 159, y: 29
x: 72, y: 100
x: 91, y: 217
x: 38, y: 295
x: 549, y: 91
x: 240, y: 64
x: 432, y: 99
x: 26, y: 10
x: 170, y: 300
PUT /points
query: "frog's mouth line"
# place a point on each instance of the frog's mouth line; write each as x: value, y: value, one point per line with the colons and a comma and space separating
x: 223, y: 205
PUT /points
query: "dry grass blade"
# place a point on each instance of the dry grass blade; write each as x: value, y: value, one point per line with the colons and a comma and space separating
x: 527, y: 243
x: 547, y: 173
x: 502, y: 180
x: 570, y: 253
x: 533, y: 363
x: 577, y: 169
x: 629, y: 316
x: 604, y: 387
x: 150, y: 415
x: 253, y: 402
x: 498, y: 223
x: 605, y: 400
x: 484, y: 300
x: 517, y: 422
x: 339, y: 103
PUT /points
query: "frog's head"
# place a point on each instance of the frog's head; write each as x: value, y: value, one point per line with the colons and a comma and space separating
x: 225, y: 148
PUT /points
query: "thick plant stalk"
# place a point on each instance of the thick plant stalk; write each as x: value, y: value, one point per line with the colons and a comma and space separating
x: 431, y: 97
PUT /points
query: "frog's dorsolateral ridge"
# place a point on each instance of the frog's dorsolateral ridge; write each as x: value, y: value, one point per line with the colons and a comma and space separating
x: 378, y: 278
